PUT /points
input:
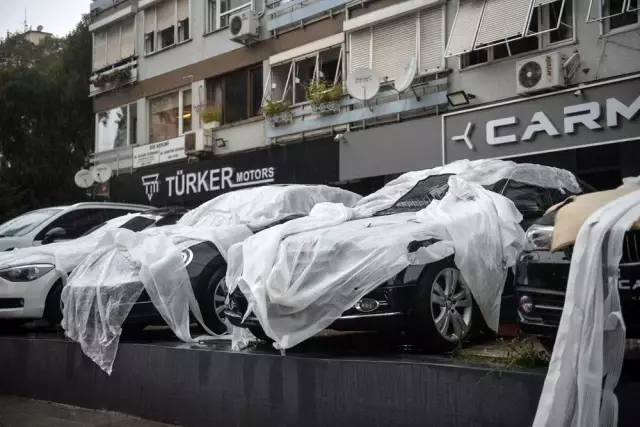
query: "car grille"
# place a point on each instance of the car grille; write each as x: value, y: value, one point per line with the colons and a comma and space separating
x: 548, y: 307
x: 631, y: 248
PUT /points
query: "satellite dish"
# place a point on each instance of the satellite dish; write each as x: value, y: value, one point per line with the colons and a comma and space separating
x: 101, y: 173
x: 363, y: 84
x: 405, y: 75
x: 83, y: 178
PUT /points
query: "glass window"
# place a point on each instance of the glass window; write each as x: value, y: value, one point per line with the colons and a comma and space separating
x: 113, y: 128
x: 183, y: 30
x: 163, y: 117
x: 166, y: 37
x: 620, y: 18
x: 212, y: 17
x: 230, y: 7
x: 25, y: 223
x: 75, y: 223
x: 239, y: 93
x: 565, y: 29
x: 257, y: 87
x: 186, y: 111
x: 149, y: 43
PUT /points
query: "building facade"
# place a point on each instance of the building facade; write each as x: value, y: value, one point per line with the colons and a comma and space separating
x: 210, y: 92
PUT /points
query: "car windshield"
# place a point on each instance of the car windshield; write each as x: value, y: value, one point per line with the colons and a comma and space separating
x: 23, y: 224
x: 431, y: 188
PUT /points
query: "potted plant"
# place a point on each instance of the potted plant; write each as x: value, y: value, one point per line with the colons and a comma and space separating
x: 324, y: 96
x: 211, y: 116
x: 276, y: 111
x: 100, y: 81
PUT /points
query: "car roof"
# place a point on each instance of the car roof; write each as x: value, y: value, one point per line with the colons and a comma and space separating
x: 109, y: 205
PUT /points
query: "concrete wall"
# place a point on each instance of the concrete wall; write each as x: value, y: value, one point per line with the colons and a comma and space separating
x: 603, y: 56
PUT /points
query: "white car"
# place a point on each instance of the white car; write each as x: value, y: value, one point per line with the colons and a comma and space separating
x: 60, y: 223
x: 31, y: 278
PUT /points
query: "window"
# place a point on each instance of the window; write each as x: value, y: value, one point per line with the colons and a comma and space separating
x: 389, y: 44
x: 620, y: 17
x: 75, y: 223
x: 113, y: 44
x: 238, y: 93
x: 169, y: 115
x: 549, y: 24
x: 219, y: 11
x: 166, y: 24
x: 116, y: 127
x: 289, y: 80
x: 25, y: 223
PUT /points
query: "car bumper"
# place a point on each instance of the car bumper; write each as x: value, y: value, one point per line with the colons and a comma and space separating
x: 25, y: 300
x: 543, y: 276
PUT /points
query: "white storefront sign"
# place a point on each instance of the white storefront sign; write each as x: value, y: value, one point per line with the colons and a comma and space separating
x: 159, y: 152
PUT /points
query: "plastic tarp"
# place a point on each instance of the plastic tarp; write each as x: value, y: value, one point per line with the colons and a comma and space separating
x: 590, y: 342
x: 300, y: 276
x: 65, y: 256
x: 102, y: 290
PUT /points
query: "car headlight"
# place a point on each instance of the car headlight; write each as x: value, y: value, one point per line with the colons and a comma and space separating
x: 187, y: 256
x: 26, y: 273
x: 539, y: 237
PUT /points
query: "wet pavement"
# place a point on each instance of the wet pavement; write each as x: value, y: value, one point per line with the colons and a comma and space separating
x: 18, y: 412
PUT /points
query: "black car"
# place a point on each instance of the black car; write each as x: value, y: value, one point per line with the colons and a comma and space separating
x: 405, y: 302
x: 541, y: 282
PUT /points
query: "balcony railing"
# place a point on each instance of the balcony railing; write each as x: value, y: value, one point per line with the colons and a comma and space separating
x: 121, y: 74
x: 283, y: 13
x: 301, y: 120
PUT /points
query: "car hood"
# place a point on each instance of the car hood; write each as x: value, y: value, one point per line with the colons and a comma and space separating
x: 9, y: 243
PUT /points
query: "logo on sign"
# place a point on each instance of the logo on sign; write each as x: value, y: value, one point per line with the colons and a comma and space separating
x: 151, y: 185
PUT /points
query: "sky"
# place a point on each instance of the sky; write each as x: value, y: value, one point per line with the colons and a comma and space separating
x: 56, y: 16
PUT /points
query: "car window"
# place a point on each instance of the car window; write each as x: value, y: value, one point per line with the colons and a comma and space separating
x: 420, y: 196
x: 138, y: 223
x: 75, y: 223
x: 23, y: 224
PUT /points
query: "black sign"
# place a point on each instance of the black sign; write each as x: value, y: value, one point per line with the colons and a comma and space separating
x: 190, y: 184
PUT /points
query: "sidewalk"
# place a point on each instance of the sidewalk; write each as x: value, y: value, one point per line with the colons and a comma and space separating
x: 18, y: 412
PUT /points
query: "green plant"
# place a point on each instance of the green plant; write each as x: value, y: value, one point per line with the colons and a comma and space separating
x: 274, y: 108
x: 322, y: 91
x: 211, y: 113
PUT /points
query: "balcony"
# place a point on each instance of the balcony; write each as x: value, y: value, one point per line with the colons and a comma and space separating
x: 281, y: 14
x: 427, y: 97
x: 120, y: 74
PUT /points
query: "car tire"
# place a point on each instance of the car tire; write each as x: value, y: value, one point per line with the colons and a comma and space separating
x: 258, y: 332
x: 434, y: 321
x: 53, y: 305
x: 212, y: 296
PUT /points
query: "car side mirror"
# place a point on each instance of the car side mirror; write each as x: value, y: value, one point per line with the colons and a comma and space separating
x: 54, y: 234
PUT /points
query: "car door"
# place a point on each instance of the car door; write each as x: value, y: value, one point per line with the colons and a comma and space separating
x: 75, y: 223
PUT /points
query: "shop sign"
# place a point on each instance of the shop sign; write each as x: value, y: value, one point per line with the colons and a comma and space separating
x: 159, y: 152
x: 605, y: 113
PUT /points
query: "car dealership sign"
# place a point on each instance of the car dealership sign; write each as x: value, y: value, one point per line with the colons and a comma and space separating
x: 159, y: 152
x: 603, y: 113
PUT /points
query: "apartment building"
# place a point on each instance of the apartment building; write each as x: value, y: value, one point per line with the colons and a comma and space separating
x: 196, y: 97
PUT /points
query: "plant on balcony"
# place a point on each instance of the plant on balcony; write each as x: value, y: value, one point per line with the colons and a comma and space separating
x: 324, y: 96
x: 116, y: 76
x: 276, y: 111
x: 211, y: 116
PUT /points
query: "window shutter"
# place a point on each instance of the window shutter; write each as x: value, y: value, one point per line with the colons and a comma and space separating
x: 183, y: 10
x: 127, y: 39
x: 503, y: 19
x: 465, y: 27
x: 394, y: 42
x: 166, y: 14
x: 113, y: 44
x: 99, y: 49
x: 149, y: 20
x: 359, y: 49
x: 431, y: 38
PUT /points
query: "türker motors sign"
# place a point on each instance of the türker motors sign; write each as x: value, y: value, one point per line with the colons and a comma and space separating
x: 598, y: 114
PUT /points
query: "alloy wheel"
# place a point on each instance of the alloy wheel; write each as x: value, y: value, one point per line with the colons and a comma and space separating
x: 220, y: 298
x: 451, y: 305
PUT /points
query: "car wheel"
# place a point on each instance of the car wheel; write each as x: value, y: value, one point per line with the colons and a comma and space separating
x: 258, y: 332
x: 444, y: 314
x: 212, y: 300
x: 53, y: 305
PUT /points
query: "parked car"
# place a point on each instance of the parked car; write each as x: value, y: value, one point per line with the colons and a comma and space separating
x: 31, y: 278
x: 542, y: 272
x: 431, y: 302
x: 243, y: 212
x: 46, y: 225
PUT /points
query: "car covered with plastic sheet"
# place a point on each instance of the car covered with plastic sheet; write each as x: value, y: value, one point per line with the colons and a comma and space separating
x: 428, y: 254
x: 31, y: 279
x: 176, y: 275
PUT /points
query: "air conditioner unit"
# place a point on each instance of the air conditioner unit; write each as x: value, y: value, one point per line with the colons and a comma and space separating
x: 541, y: 73
x: 197, y: 142
x: 244, y: 26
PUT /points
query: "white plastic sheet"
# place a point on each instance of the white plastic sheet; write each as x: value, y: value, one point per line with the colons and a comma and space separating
x: 591, y: 336
x: 103, y: 289
x: 300, y: 276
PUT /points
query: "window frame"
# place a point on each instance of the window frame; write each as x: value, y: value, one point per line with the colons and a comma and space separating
x: 605, y: 23
x: 155, y: 36
x: 543, y: 35
x: 217, y: 19
x: 180, y: 93
x: 221, y: 80
x: 129, y: 130
x: 56, y: 222
x: 105, y: 30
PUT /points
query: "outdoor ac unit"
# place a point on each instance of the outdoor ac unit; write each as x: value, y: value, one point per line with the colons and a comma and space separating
x: 197, y: 142
x: 541, y: 73
x: 244, y: 26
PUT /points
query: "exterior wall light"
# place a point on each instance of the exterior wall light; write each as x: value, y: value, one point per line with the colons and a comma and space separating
x: 459, y: 98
